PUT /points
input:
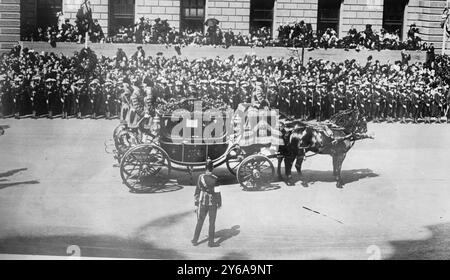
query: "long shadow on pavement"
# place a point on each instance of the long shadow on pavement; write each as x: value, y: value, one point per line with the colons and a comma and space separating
x: 7, y: 185
x: 12, y: 172
x: 436, y: 247
x: 101, y: 246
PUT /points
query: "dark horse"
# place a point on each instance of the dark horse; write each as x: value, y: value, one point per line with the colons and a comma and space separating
x: 333, y: 138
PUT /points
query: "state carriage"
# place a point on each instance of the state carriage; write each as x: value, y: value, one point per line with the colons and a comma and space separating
x: 174, y: 143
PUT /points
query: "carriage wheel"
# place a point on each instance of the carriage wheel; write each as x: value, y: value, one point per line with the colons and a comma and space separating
x: 255, y: 171
x: 123, y: 141
x: 141, y: 168
x: 234, y: 158
x: 118, y: 129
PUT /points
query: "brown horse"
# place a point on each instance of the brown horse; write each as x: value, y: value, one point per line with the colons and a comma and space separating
x: 333, y: 138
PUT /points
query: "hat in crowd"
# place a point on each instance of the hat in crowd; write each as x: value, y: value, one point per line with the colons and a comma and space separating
x: 49, y: 80
x: 36, y: 78
x: 178, y: 83
x: 65, y: 82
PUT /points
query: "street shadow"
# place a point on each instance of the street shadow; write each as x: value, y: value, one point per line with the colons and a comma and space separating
x: 99, y: 246
x: 223, y: 235
x: 234, y: 256
x: 7, y: 185
x: 159, y: 185
x: 165, y: 221
x: 226, y: 234
x: 310, y: 177
x: 12, y: 172
x: 264, y: 188
x: 436, y: 247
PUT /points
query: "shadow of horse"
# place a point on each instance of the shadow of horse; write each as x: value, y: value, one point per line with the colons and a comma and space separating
x: 159, y: 185
x: 309, y: 177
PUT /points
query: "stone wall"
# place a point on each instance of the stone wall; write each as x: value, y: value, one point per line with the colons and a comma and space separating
x: 164, y: 9
x: 99, y: 11
x: 358, y: 13
x: 287, y: 11
x: 9, y: 24
x: 234, y: 14
x: 427, y: 16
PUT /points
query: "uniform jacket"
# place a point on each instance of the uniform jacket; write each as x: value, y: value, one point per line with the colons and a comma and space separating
x: 205, y: 194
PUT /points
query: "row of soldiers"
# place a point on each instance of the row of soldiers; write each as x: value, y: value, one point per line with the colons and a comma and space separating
x: 294, y: 98
x: 379, y: 102
x: 51, y: 98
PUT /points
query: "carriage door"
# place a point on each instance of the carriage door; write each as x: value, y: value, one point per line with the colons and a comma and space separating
x: 328, y: 15
x: 393, y: 15
x: 121, y: 14
x: 261, y: 14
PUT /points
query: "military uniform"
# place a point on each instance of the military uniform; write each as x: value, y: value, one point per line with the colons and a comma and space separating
x: 207, y: 201
x: 66, y: 99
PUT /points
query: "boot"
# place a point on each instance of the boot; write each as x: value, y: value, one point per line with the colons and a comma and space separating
x: 33, y: 115
x: 17, y: 116
x: 50, y: 115
x: 108, y: 115
x: 93, y: 116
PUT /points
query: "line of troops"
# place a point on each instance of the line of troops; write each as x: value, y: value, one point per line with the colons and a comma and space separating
x: 81, y: 98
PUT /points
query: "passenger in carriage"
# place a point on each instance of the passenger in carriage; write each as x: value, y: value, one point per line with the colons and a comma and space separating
x: 259, y: 100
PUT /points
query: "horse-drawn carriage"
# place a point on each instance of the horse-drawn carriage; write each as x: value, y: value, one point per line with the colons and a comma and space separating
x: 147, y: 153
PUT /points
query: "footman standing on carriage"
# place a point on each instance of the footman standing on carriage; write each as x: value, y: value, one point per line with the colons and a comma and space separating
x: 207, y: 201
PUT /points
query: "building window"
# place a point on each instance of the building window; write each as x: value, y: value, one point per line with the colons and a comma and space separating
x: 46, y: 12
x: 121, y: 15
x: 328, y: 15
x: 192, y: 15
x: 393, y: 13
x: 261, y: 14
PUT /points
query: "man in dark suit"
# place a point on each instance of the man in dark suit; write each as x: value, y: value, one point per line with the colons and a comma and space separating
x: 207, y: 201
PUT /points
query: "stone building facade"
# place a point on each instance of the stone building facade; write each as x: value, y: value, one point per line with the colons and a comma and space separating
x: 239, y: 15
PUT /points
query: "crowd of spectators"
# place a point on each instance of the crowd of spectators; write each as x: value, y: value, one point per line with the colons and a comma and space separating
x: 86, y: 84
x: 298, y: 34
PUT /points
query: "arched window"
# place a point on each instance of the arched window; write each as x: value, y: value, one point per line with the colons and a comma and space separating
x: 393, y: 13
x: 328, y: 15
x: 261, y: 14
x: 121, y: 14
x: 192, y: 15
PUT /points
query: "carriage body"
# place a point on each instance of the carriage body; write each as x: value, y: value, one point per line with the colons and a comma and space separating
x: 184, y: 141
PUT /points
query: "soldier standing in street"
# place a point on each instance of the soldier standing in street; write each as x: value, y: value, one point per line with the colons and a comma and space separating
x: 207, y: 201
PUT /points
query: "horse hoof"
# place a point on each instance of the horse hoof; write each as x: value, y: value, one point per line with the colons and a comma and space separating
x: 339, y: 185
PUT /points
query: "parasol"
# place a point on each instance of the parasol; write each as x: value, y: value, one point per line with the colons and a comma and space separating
x: 212, y: 22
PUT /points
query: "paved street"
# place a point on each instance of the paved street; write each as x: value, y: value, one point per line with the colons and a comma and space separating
x: 58, y: 188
